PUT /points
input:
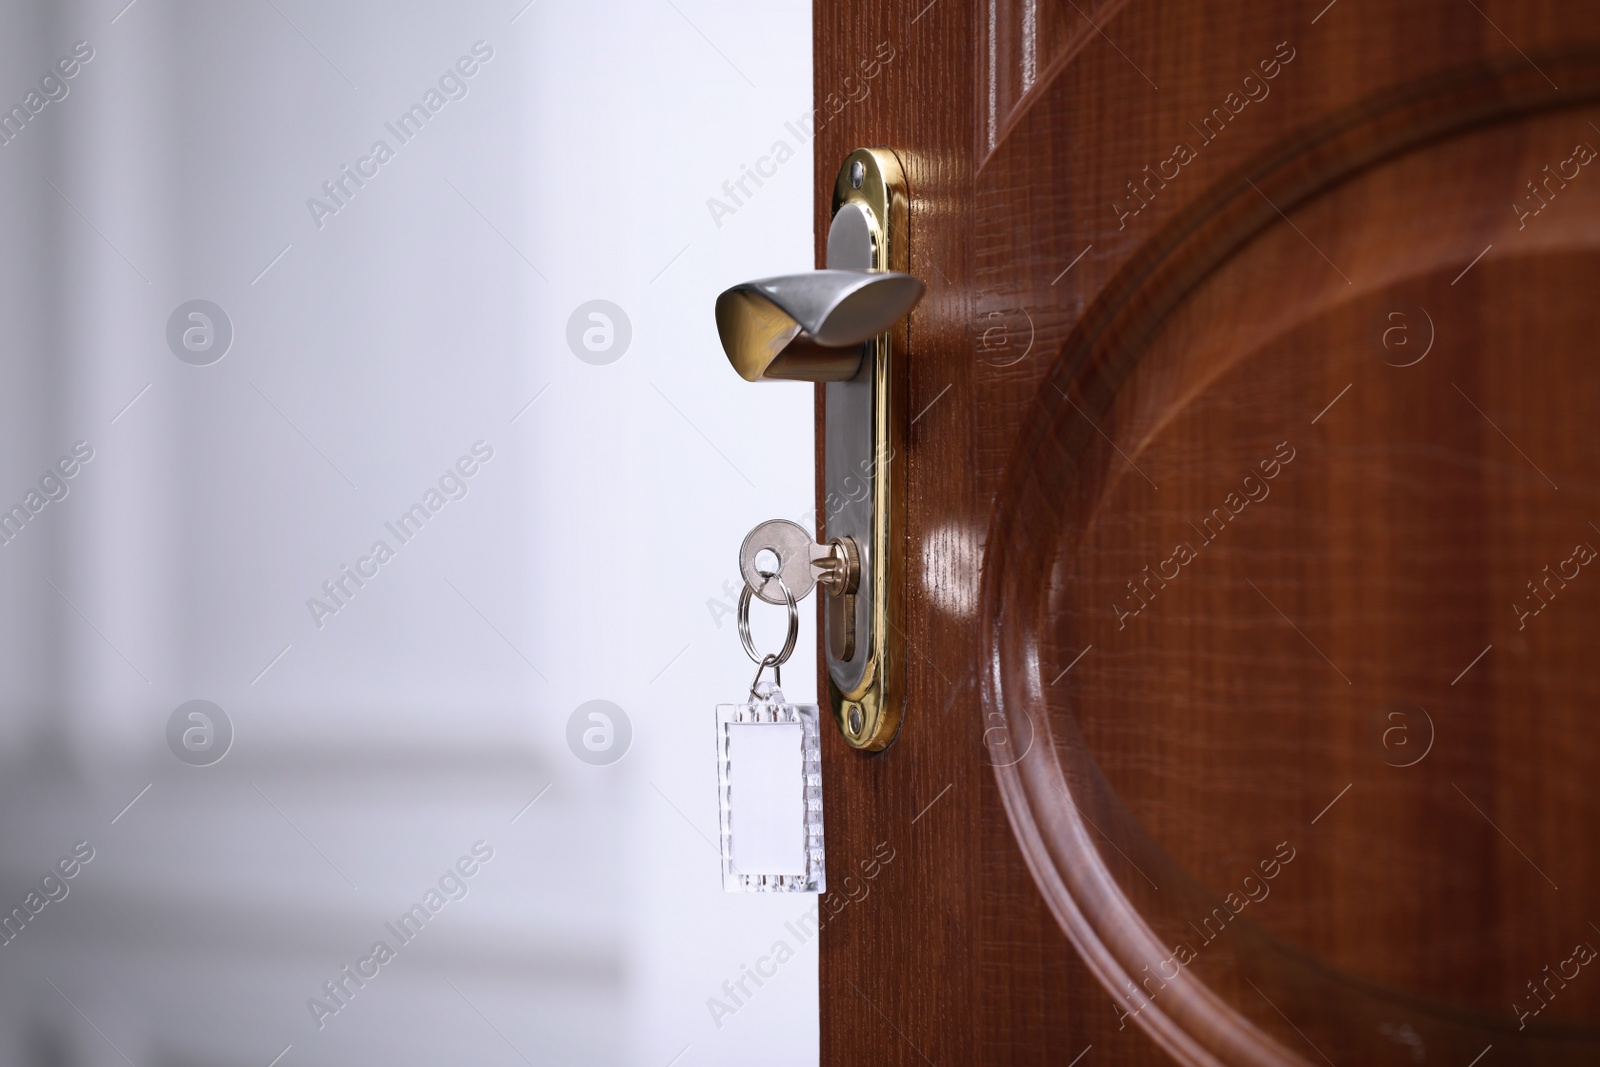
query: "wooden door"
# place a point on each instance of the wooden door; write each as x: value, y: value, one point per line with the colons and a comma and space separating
x: 1253, y: 509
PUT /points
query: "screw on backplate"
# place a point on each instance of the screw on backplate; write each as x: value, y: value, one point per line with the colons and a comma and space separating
x: 858, y: 174
x: 855, y: 719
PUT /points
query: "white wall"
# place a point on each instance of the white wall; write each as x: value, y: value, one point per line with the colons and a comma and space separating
x: 586, y: 561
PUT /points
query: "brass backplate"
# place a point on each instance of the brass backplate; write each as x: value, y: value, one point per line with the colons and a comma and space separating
x: 864, y: 497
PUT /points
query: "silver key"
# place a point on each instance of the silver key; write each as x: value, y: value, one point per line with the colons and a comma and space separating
x: 795, y: 551
x: 801, y: 562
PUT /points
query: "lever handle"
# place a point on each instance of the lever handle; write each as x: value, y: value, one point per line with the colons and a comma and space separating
x: 810, y: 327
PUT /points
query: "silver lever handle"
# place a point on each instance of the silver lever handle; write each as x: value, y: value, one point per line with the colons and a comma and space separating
x: 810, y: 327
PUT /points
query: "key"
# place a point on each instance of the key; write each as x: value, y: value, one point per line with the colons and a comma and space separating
x: 804, y: 564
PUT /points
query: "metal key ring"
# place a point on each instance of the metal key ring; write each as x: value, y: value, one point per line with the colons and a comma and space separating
x: 780, y: 658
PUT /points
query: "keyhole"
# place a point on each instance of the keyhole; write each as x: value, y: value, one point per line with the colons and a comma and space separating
x: 855, y: 719
x: 767, y: 563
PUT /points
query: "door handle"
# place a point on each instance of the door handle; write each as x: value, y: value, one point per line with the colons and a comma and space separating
x: 845, y: 326
x: 810, y: 327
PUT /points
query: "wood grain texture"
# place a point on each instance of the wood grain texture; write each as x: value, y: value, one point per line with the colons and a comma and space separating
x: 1114, y: 734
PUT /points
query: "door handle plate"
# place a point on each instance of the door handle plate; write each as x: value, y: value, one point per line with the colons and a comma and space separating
x: 863, y: 484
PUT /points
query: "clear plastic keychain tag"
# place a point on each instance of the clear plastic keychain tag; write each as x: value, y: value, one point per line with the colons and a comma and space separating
x: 769, y: 778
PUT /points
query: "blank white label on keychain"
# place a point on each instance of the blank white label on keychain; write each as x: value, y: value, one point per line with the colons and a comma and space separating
x: 770, y: 779
x: 767, y: 797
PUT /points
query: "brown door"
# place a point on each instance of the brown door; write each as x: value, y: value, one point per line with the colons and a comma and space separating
x: 1253, y: 706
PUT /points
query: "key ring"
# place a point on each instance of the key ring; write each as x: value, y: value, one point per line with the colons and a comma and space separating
x: 773, y: 660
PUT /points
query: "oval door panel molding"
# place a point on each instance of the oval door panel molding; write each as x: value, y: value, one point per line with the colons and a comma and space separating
x: 1294, y: 586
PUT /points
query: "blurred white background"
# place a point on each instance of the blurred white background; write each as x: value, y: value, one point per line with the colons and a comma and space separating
x: 586, y: 561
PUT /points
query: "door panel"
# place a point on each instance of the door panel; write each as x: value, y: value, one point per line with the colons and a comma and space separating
x: 1264, y: 729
